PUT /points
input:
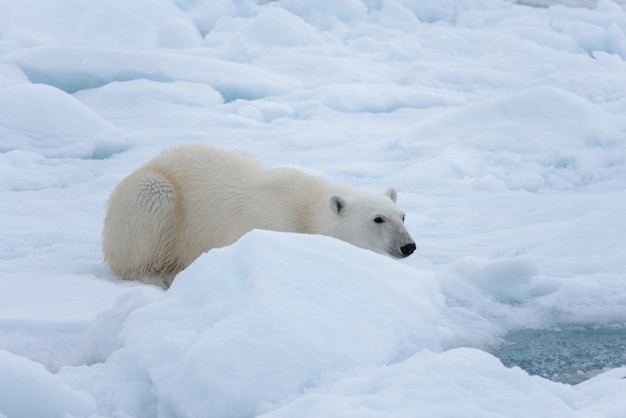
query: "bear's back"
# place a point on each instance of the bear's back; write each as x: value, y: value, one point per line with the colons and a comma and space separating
x: 193, y: 164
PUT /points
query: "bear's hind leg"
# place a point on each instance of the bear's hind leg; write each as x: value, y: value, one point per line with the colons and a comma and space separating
x: 138, y: 236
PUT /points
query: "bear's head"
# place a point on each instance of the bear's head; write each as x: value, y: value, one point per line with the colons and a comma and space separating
x: 372, y: 221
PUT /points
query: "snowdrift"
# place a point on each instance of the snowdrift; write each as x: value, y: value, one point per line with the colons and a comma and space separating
x: 502, y: 127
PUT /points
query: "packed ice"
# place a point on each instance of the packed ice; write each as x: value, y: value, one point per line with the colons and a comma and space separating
x: 502, y: 124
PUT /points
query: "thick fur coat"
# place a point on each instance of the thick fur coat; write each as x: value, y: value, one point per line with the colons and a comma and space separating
x: 192, y: 198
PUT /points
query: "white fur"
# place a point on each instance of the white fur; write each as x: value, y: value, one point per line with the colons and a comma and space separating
x: 192, y: 198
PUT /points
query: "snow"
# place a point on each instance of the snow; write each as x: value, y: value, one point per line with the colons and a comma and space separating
x: 501, y: 125
x: 28, y: 389
x: 282, y: 319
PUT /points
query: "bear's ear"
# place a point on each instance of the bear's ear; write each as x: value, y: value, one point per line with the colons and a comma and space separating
x: 393, y: 195
x: 337, y: 204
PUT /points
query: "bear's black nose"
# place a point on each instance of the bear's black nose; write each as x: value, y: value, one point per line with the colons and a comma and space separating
x: 408, y: 249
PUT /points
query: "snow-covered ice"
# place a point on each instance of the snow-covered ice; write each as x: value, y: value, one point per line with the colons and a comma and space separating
x: 502, y: 126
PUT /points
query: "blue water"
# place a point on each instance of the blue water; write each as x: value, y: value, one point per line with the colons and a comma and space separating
x: 564, y: 355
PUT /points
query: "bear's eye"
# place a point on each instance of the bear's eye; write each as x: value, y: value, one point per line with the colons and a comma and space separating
x: 379, y: 220
x: 403, y: 218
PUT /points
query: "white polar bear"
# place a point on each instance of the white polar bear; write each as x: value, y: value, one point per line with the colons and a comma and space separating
x: 192, y: 198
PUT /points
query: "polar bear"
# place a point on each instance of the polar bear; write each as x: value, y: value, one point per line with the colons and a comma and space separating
x: 192, y: 198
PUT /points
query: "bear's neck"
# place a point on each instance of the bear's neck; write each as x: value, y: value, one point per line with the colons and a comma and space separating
x: 306, y: 198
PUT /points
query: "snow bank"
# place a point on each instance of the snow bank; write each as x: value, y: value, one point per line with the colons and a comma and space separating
x: 603, y: 395
x: 269, y: 316
x: 29, y: 390
x: 377, y: 98
x: 436, y: 386
x: 141, y: 96
x: 587, y: 148
x: 502, y: 126
x: 37, y: 117
x: 274, y: 26
x: 280, y: 325
x: 76, y: 68
x: 33, y: 23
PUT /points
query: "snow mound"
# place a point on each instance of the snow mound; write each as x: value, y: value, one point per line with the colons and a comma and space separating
x: 501, y: 125
x: 48, y: 121
x: 64, y: 22
x: 276, y: 26
x: 270, y: 315
x: 142, y: 93
x: 76, y: 68
x: 29, y: 390
x: 506, y: 280
x: 379, y: 98
x: 566, y: 141
x: 326, y: 13
x: 178, y: 34
x: 399, y: 390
